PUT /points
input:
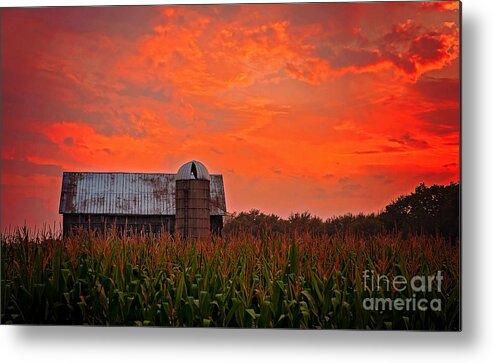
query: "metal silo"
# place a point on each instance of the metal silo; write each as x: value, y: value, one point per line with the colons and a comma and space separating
x: 193, y: 199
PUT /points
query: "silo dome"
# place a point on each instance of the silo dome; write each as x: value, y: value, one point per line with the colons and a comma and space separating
x: 193, y: 170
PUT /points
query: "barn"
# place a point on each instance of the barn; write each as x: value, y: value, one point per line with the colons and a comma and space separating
x: 190, y: 203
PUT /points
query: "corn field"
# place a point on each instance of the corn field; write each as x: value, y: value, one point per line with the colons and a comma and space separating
x: 250, y: 281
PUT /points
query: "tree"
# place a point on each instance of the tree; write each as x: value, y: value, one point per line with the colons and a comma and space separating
x: 431, y: 210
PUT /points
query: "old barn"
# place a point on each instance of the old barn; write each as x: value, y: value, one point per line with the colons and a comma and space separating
x: 190, y: 202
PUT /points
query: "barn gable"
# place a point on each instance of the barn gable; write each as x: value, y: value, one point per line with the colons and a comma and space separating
x: 128, y: 194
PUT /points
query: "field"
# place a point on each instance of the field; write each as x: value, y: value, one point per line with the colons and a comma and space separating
x: 243, y: 280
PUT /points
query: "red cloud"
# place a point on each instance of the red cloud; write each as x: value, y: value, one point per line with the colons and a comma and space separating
x: 442, y: 5
x: 416, y: 51
x: 312, y: 70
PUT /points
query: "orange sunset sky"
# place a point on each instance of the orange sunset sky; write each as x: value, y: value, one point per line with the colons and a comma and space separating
x: 326, y: 108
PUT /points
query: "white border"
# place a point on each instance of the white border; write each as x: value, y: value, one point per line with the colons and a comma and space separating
x: 83, y: 344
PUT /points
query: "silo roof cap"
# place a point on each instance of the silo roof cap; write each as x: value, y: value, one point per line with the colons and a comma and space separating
x: 193, y: 170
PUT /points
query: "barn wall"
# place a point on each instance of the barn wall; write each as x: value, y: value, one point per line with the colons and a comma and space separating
x: 154, y: 223
x: 139, y: 222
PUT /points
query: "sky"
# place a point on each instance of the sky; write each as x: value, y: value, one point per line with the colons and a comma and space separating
x: 327, y: 108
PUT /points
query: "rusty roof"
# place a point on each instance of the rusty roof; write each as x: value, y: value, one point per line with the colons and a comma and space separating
x: 128, y: 193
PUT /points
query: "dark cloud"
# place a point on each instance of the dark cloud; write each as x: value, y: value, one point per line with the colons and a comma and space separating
x: 356, y: 58
x: 28, y: 100
x: 352, y: 187
x: 367, y: 152
x: 332, y: 16
x: 409, y: 141
x: 216, y: 151
x: 442, y: 121
x: 409, y: 47
x: 437, y: 89
x: 133, y: 21
x: 428, y: 48
x: 401, y: 61
x: 401, y: 173
x: 160, y: 94
x: 321, y: 193
x: 178, y: 121
x: 383, y: 149
x: 11, y: 134
x: 401, y: 33
x: 382, y: 178
x: 390, y: 149
x: 27, y: 168
x: 26, y: 143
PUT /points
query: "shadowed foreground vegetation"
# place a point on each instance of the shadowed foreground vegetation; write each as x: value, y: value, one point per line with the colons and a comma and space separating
x: 239, y: 280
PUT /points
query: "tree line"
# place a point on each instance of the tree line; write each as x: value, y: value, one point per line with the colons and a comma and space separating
x: 431, y: 210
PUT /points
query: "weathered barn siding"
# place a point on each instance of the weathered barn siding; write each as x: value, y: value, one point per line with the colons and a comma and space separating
x: 74, y: 221
x: 139, y: 223
x: 218, y: 200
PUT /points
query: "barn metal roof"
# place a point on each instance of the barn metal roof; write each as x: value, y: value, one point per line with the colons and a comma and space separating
x: 128, y: 193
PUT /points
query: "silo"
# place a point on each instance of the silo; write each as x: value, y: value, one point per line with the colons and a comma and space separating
x: 193, y: 199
